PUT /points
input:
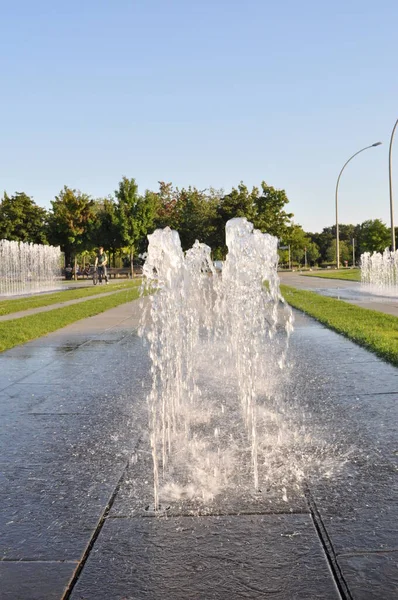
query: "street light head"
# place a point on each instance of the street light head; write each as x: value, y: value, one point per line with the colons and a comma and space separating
x: 376, y: 144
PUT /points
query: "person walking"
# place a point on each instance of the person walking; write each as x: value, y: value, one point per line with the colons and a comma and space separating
x: 101, y: 260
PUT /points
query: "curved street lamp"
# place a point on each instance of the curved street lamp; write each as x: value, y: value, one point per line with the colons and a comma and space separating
x: 390, y: 179
x: 337, y: 192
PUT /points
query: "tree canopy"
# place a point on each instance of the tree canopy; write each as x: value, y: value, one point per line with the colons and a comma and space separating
x: 70, y: 221
x: 22, y: 220
x: 79, y: 223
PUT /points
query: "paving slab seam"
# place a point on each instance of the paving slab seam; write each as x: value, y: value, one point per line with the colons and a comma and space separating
x: 189, y: 515
x: 327, y: 546
x: 33, y: 560
x: 103, y: 518
x: 94, y: 537
x: 365, y: 552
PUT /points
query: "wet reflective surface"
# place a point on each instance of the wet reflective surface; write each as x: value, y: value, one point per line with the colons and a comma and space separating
x: 349, y: 291
x: 215, y: 557
x: 75, y: 474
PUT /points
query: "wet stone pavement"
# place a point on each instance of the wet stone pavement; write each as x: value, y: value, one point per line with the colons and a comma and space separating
x: 76, y: 482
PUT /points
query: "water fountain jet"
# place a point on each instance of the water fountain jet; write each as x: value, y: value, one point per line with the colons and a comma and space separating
x: 236, y: 323
x: 27, y: 268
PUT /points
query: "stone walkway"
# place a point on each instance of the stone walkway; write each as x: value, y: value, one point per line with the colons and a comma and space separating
x: 349, y: 291
x: 76, y: 478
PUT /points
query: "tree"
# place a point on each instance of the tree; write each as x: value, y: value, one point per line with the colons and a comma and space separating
x: 164, y: 202
x: 22, y: 220
x: 195, y: 214
x: 70, y: 222
x: 345, y: 251
x: 238, y: 203
x: 135, y: 214
x: 105, y: 225
x: 298, y: 240
x: 313, y: 253
x: 324, y: 240
x: 270, y: 216
x: 373, y: 236
x: 264, y: 209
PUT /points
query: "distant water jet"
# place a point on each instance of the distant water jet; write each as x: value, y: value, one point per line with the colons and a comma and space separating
x: 27, y: 268
x: 379, y: 271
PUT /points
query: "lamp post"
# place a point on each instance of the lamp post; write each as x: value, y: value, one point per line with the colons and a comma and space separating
x: 353, y: 253
x: 390, y: 180
x: 337, y: 192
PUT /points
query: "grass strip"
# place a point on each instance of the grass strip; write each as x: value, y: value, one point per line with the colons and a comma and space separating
x: 8, y: 307
x: 371, y: 329
x: 346, y: 275
x: 25, y: 329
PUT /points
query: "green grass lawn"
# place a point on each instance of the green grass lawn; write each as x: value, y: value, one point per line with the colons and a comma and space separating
x: 346, y: 274
x: 373, y: 330
x: 25, y: 329
x: 8, y: 307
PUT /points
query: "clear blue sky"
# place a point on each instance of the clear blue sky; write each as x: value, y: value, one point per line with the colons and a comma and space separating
x: 202, y: 92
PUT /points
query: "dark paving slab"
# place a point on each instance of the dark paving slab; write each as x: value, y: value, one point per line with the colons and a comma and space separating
x: 371, y: 576
x: 349, y: 397
x: 17, y: 399
x: 34, y: 580
x: 74, y: 415
x: 360, y: 511
x: 43, y: 438
x: 12, y: 373
x: 66, y: 435
x: 213, y: 557
x: 50, y: 512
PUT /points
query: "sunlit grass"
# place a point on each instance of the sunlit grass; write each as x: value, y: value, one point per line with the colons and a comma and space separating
x: 346, y: 274
x: 374, y: 330
x: 8, y: 307
x: 25, y: 329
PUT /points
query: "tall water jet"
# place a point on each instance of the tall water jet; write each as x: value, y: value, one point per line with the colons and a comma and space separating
x: 235, y: 325
x: 27, y: 268
x: 379, y: 271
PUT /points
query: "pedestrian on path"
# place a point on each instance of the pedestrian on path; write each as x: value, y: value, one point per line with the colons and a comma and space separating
x: 101, y: 260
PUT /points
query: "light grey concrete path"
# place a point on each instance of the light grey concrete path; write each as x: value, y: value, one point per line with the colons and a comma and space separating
x: 349, y: 291
x: 76, y: 478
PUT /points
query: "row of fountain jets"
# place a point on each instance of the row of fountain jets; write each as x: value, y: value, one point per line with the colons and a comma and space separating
x: 27, y: 268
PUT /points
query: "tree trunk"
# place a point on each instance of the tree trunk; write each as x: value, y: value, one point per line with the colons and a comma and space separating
x: 75, y: 277
x: 131, y: 263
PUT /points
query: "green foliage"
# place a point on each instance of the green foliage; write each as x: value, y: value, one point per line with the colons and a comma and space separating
x: 70, y: 221
x: 105, y: 225
x: 264, y: 209
x: 313, y: 253
x: 326, y: 241
x: 22, y: 220
x: 373, y: 236
x: 240, y: 202
x: 164, y: 202
x: 196, y: 217
x: 135, y: 214
x: 298, y: 240
x: 269, y: 214
x: 344, y: 251
x: 375, y: 331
